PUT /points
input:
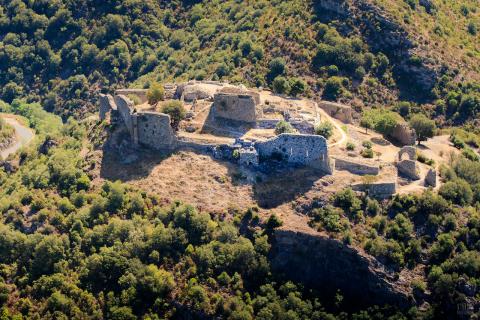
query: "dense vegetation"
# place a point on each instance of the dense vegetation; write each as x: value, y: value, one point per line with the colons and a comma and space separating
x: 73, y: 250
x: 61, y: 52
x: 6, y: 132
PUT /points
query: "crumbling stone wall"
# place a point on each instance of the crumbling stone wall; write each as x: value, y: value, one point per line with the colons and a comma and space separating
x: 140, y: 93
x: 237, y: 107
x: 107, y: 105
x: 248, y: 157
x: 125, y: 109
x: 297, y: 149
x: 409, y: 168
x: 153, y: 129
x: 380, y: 190
x: 410, y: 151
x: 356, y: 167
x: 404, y: 134
x: 337, y: 111
x: 431, y: 178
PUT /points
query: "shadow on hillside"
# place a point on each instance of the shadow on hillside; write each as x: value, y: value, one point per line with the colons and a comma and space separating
x: 224, y: 127
x: 284, y: 185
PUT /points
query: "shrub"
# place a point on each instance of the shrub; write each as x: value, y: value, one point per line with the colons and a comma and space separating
x: 281, y: 85
x: 283, y: 127
x: 155, y: 93
x: 367, y: 153
x: 350, y: 146
x: 334, y: 88
x: 457, y: 191
x: 324, y: 129
x: 277, y: 68
x: 176, y: 111
x: 297, y: 87
x: 367, y: 144
x: 382, y: 120
x: 470, y: 154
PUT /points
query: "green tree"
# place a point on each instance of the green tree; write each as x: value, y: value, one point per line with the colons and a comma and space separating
x: 176, y: 111
x: 155, y: 93
x: 424, y: 127
x: 367, y: 121
x: 333, y: 88
x: 281, y: 85
x: 283, y: 127
x: 324, y: 129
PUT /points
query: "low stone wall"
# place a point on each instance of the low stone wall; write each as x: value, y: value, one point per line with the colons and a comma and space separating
x: 297, y: 149
x: 356, y: 167
x: 337, y: 110
x: 140, y: 93
x: 267, y: 123
x: 380, y: 190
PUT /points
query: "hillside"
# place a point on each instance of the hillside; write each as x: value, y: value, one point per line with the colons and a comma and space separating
x: 102, y: 45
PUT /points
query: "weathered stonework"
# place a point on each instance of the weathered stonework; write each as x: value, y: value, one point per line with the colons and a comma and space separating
x: 354, y: 167
x: 153, y: 129
x: 107, y: 105
x: 380, y: 190
x: 337, y: 111
x: 410, y: 151
x: 409, y: 168
x: 235, y: 106
x: 141, y: 94
x: 248, y: 157
x: 125, y: 109
x: 404, y: 134
x: 297, y: 149
x: 431, y: 178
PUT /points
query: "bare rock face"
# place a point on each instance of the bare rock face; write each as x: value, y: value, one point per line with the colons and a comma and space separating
x: 327, y: 264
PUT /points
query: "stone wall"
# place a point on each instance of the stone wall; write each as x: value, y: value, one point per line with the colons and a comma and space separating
x: 140, y: 93
x: 337, y: 111
x: 356, y: 167
x: 403, y: 134
x: 328, y: 265
x: 297, y: 149
x: 237, y: 107
x: 153, y: 130
x: 107, y: 104
x: 380, y: 190
x: 125, y: 109
x: 409, y: 168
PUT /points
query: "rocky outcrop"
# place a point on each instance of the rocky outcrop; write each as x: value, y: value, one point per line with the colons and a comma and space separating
x: 327, y: 265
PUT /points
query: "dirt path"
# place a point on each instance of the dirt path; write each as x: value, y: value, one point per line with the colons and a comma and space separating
x: 23, y: 136
x: 343, y: 135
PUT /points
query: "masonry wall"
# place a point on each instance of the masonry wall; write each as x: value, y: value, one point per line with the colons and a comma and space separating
x: 404, y: 134
x: 125, y: 109
x: 337, y: 111
x: 297, y: 149
x: 237, y: 107
x: 140, y: 93
x: 356, y: 167
x: 153, y: 129
x: 381, y: 190
x: 107, y: 104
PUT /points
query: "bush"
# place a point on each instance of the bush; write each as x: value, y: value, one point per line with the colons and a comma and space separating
x: 350, y: 146
x: 297, y: 87
x: 367, y: 144
x: 281, y: 85
x: 367, y: 153
x: 324, y: 129
x: 283, y: 127
x: 155, y: 93
x: 176, y: 111
x: 381, y: 120
x: 457, y: 191
x: 334, y: 88
x: 424, y: 127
